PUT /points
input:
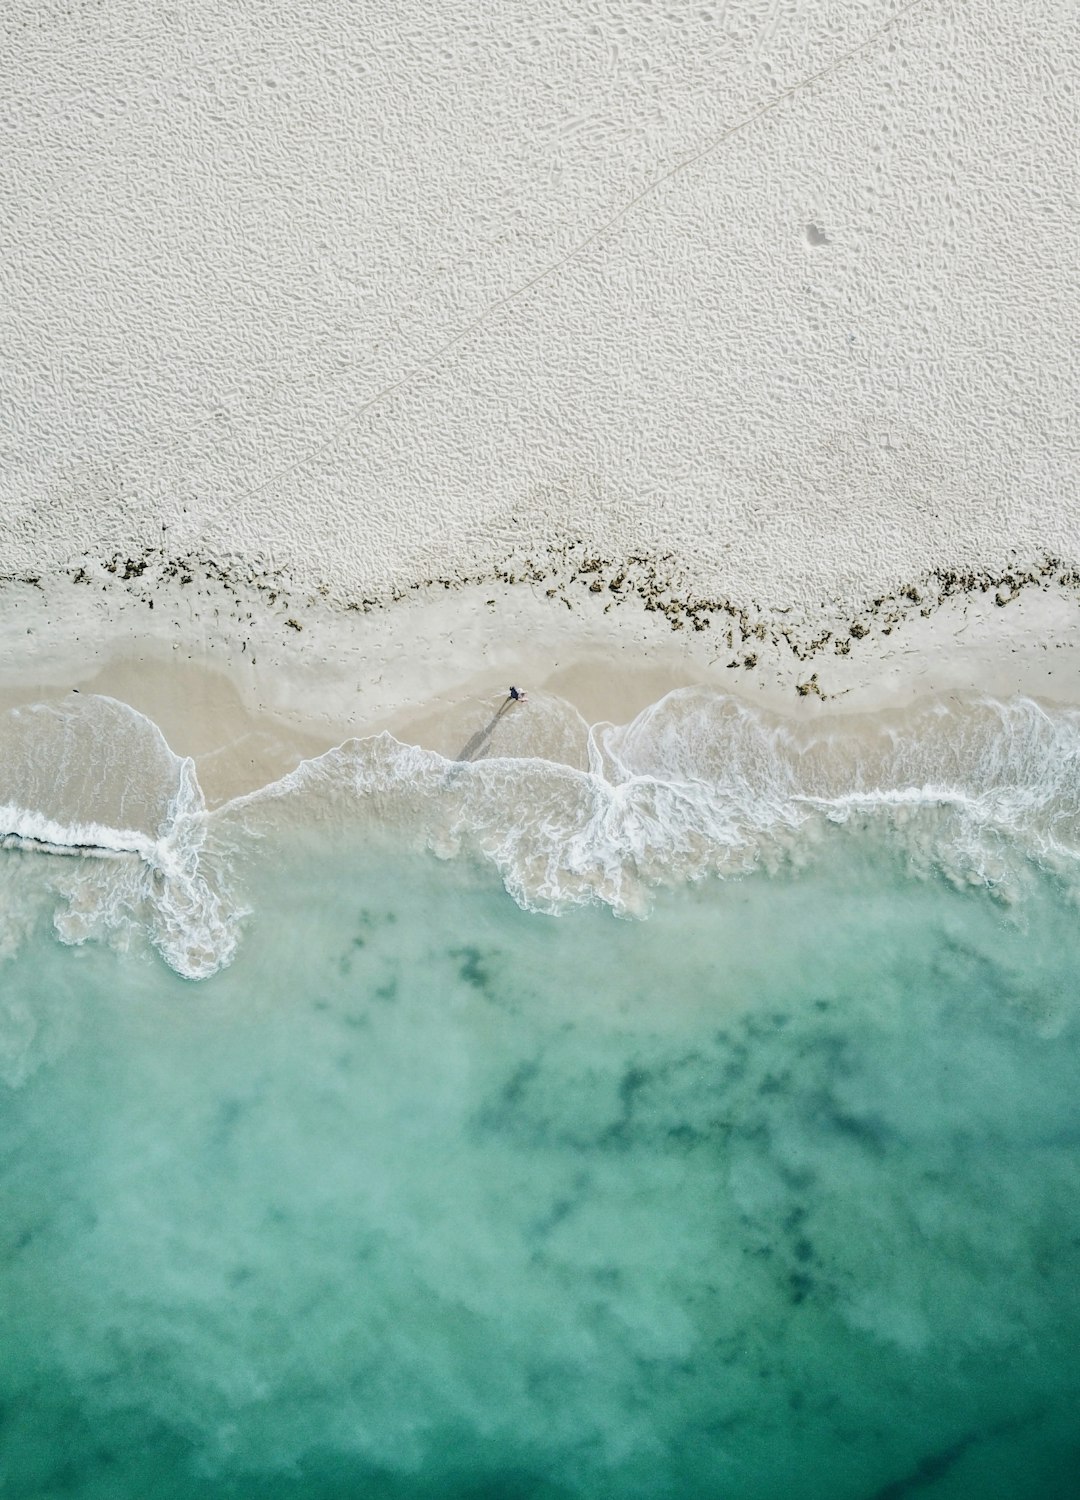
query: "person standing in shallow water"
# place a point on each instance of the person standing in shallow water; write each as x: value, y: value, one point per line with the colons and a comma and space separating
x: 517, y: 696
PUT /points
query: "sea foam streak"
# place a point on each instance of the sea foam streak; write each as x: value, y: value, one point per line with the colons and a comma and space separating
x: 94, y: 778
x: 698, y: 783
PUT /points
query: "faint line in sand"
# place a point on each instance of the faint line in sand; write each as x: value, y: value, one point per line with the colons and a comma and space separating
x: 425, y: 366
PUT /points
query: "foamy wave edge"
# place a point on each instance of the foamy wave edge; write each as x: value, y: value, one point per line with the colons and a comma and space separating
x: 119, y: 882
x: 697, y: 784
x: 700, y: 783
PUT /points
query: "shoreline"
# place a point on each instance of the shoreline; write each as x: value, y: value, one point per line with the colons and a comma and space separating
x: 249, y: 676
x: 950, y: 723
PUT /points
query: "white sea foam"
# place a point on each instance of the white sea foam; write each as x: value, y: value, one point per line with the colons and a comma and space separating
x: 95, y: 779
x: 697, y: 784
x: 701, y: 783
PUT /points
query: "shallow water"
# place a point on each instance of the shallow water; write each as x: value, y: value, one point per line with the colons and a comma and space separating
x: 429, y: 1196
x: 700, y: 783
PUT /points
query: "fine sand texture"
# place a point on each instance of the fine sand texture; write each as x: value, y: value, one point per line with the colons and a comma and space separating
x: 779, y: 297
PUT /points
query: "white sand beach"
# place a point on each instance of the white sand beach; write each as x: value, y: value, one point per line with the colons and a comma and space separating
x: 374, y: 359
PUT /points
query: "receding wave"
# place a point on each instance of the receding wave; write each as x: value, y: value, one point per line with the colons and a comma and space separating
x: 92, y: 778
x: 699, y: 783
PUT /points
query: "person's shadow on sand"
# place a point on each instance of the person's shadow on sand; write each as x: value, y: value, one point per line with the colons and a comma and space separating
x: 479, y: 742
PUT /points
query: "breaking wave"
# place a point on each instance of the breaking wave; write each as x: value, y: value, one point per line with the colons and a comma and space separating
x: 698, y: 784
x: 95, y: 780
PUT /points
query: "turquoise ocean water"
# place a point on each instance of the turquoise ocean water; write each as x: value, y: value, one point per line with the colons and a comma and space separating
x: 427, y: 1191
